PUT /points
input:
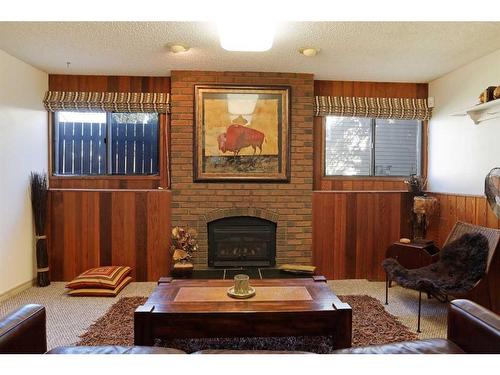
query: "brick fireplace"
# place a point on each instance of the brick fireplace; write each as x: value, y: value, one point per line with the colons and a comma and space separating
x: 288, y: 205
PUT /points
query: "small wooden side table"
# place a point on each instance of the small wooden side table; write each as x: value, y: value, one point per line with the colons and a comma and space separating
x: 411, y: 255
x: 414, y: 254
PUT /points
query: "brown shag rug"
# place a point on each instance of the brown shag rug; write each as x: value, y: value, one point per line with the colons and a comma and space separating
x: 371, y: 325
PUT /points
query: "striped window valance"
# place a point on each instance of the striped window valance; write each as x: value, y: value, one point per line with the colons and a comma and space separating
x: 389, y: 108
x: 107, y: 101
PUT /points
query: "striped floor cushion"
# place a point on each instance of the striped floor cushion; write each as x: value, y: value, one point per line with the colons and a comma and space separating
x: 107, y: 277
x: 100, y: 292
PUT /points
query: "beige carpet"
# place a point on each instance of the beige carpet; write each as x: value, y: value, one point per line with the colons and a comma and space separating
x: 69, y: 317
x: 403, y: 303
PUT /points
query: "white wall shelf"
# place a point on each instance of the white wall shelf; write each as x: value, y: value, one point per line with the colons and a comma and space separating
x: 482, y: 112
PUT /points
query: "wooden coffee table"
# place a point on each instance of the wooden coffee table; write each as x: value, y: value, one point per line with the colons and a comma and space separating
x: 281, y: 307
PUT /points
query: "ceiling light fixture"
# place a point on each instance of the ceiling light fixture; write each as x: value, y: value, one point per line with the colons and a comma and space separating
x: 250, y: 37
x: 178, y: 48
x: 309, y: 51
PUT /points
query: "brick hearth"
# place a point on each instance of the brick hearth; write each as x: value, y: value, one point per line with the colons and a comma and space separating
x: 287, y: 204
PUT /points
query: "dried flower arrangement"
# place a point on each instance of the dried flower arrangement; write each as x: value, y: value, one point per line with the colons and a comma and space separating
x: 184, y: 243
x: 416, y: 184
x: 39, y: 191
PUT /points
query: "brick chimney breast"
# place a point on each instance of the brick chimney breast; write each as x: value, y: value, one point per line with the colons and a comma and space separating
x: 289, y: 205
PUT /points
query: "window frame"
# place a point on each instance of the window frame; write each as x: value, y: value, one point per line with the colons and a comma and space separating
x: 423, y: 156
x: 109, y: 148
x: 161, y: 180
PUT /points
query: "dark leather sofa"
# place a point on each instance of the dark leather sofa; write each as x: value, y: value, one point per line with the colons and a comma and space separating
x: 471, y: 329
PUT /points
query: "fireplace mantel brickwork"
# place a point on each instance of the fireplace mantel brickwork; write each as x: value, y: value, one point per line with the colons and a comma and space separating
x: 287, y: 204
x: 239, y: 211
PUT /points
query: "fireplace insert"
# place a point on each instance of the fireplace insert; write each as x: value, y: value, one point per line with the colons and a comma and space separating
x: 241, y: 241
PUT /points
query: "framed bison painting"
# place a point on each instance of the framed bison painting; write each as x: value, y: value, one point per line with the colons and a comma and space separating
x: 242, y: 133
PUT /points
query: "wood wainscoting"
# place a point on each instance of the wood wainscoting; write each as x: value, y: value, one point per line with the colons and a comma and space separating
x: 472, y: 209
x: 352, y: 230
x: 91, y: 228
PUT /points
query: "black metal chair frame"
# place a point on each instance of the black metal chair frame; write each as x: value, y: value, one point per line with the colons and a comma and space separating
x: 443, y: 298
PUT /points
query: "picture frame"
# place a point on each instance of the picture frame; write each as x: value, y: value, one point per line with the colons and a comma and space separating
x: 241, y: 133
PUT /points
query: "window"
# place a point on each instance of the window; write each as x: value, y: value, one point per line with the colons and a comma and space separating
x: 97, y: 143
x: 358, y: 146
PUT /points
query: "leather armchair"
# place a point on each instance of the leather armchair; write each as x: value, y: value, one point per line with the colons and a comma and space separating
x: 24, y: 332
x: 471, y: 329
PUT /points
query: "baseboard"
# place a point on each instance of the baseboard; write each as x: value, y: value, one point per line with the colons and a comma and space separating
x: 17, y: 289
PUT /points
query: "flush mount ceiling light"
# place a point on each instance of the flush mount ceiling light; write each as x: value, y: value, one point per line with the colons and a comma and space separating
x: 309, y: 51
x: 249, y: 37
x: 178, y: 48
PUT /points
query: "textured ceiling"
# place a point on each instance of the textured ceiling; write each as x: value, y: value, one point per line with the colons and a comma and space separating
x: 366, y: 51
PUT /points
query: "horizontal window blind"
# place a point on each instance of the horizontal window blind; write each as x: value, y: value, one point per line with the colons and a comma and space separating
x: 348, y: 146
x: 360, y: 146
x: 397, y: 148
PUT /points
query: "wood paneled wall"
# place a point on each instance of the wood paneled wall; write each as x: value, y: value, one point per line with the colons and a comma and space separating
x: 362, y: 89
x: 109, y: 227
x: 475, y: 210
x: 372, y: 89
x: 352, y: 230
x: 61, y: 82
x: 456, y: 207
x: 66, y: 82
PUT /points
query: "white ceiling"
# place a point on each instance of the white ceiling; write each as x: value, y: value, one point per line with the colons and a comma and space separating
x: 365, y: 51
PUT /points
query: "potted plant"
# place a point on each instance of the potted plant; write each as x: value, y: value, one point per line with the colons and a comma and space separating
x: 416, y: 185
